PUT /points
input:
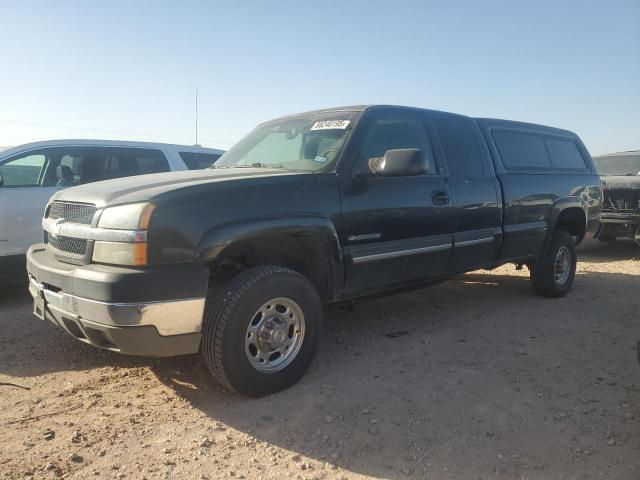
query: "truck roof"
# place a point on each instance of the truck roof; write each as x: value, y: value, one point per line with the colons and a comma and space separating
x: 488, y: 122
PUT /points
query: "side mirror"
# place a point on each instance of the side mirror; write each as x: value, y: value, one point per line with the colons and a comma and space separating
x: 400, y: 163
x: 1, y: 181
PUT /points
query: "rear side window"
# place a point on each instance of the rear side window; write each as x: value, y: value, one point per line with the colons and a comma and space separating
x: 152, y: 161
x: 460, y: 144
x: 565, y: 154
x: 521, y: 150
x: 197, y: 161
x: 69, y: 166
x: 92, y: 164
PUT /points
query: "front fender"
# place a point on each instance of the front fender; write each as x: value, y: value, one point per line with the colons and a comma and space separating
x: 319, y: 230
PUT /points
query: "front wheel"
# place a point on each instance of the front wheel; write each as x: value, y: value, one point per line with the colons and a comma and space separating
x: 553, y: 274
x: 261, y: 330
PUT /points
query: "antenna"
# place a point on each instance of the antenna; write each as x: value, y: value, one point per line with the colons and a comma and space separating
x: 196, y: 145
x: 196, y: 117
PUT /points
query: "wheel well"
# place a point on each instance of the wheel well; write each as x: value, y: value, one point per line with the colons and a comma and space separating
x: 305, y: 254
x: 573, y: 221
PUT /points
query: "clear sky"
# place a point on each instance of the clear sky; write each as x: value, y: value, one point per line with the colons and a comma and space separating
x: 129, y: 69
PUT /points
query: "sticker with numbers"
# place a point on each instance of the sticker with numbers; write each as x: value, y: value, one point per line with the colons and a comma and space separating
x: 331, y: 125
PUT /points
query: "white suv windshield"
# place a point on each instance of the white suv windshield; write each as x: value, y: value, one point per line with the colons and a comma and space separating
x: 307, y: 142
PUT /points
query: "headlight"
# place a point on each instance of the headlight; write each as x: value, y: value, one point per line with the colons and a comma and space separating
x: 135, y: 218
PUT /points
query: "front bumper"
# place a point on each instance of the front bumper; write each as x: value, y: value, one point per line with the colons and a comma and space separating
x: 614, y: 217
x: 153, y: 312
x: 624, y: 224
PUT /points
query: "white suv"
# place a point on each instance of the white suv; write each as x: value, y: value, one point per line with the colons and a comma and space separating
x: 31, y: 173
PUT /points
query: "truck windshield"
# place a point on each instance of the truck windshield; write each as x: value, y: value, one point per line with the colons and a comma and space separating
x: 623, y: 164
x: 307, y: 142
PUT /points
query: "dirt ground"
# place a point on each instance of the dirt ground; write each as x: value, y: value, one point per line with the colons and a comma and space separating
x: 490, y: 382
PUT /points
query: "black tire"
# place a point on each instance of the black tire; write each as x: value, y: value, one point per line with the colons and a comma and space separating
x: 228, y: 314
x: 543, y: 271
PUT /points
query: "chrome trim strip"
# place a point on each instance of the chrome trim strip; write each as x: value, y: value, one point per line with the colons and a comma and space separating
x: 477, y: 241
x: 364, y: 236
x: 86, y: 232
x: 400, y: 253
x: 519, y: 227
x: 170, y: 317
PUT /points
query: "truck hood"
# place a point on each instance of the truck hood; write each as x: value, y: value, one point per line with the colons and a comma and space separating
x: 143, y: 188
x: 621, y: 182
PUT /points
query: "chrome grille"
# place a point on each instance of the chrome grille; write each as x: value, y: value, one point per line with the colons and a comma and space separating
x: 621, y: 200
x: 72, y: 212
x: 76, y: 246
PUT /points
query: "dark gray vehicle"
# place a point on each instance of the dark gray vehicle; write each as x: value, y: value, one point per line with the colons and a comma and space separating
x: 620, y: 174
x: 315, y: 208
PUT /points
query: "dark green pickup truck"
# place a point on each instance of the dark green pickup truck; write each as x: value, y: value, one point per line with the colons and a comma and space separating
x: 236, y: 261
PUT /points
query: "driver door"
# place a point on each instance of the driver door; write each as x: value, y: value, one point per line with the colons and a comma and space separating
x: 23, y: 197
x: 396, y: 229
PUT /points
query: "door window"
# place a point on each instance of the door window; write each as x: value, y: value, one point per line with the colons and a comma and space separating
x: 395, y: 131
x: 23, y: 171
x: 100, y: 163
x: 70, y: 166
x: 460, y: 143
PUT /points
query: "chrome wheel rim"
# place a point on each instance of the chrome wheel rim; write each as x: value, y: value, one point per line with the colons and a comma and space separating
x: 562, y: 268
x: 274, y: 335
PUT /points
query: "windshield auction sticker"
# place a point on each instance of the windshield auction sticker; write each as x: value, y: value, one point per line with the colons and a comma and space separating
x: 331, y: 125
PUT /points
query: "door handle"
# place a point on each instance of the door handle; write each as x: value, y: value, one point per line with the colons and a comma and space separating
x: 440, y: 197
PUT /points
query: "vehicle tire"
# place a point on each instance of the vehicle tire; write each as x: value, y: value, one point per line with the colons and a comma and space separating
x: 261, y: 330
x: 553, y: 274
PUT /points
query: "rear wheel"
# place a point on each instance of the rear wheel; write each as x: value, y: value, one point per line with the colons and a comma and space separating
x: 553, y: 274
x: 261, y: 330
